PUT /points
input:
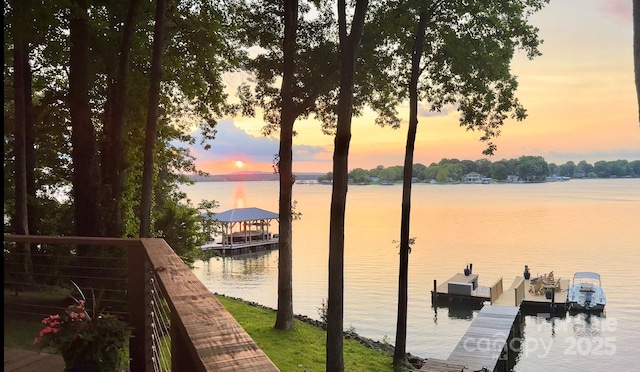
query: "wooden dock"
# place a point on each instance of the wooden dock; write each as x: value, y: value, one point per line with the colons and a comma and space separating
x: 241, y: 248
x: 486, y: 342
x: 464, y: 288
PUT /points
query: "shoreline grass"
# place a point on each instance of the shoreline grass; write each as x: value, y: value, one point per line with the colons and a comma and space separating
x: 301, y: 348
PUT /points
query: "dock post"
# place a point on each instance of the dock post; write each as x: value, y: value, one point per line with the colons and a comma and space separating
x: 553, y: 301
x: 434, y: 294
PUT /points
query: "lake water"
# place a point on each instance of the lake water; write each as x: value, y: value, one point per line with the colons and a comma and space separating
x: 579, y: 225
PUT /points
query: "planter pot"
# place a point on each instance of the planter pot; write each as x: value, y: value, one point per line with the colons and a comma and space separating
x: 91, y: 361
x: 527, y: 275
x: 84, y: 365
x: 548, y: 295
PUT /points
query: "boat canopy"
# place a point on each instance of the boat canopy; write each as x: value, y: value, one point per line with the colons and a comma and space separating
x: 243, y: 219
x: 243, y: 214
x: 586, y: 275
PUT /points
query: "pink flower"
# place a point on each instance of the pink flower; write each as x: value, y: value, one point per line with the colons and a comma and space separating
x: 46, y: 330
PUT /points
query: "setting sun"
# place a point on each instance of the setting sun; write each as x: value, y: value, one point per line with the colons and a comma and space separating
x: 239, y: 163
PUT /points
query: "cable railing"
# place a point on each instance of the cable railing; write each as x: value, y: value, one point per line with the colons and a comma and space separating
x: 160, y: 329
x: 58, y: 274
x: 177, y: 322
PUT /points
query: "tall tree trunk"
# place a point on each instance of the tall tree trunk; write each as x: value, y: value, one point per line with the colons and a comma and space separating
x: 636, y: 48
x: 20, y: 57
x: 400, y: 352
x: 284, y: 317
x: 114, y: 153
x: 82, y: 134
x: 349, y: 46
x: 152, y: 119
x: 30, y: 152
x: 30, y: 156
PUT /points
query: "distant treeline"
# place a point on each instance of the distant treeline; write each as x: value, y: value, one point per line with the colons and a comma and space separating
x: 247, y: 176
x: 528, y: 168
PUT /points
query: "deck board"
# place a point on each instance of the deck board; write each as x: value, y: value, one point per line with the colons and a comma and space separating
x: 436, y: 365
x: 19, y: 360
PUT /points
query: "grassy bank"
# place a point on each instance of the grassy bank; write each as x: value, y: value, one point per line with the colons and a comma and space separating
x: 301, y: 348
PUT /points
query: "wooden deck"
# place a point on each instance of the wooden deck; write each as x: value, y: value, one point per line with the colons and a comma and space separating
x: 204, y: 335
x: 215, y: 337
x: 18, y: 360
x: 483, y: 343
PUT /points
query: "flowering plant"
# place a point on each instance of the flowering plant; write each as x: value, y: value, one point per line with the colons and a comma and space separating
x: 81, y: 338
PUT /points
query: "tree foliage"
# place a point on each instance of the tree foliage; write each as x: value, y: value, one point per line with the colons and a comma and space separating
x: 200, y: 48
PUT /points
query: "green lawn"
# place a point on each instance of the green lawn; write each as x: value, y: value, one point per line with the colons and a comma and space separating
x: 301, y: 348
x: 20, y: 334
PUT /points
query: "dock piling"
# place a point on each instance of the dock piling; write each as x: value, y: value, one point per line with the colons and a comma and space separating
x: 434, y: 294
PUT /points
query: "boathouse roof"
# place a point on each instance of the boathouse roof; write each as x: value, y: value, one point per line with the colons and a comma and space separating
x: 245, y: 214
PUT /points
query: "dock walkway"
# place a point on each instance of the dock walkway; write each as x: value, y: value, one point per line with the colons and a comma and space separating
x: 483, y: 345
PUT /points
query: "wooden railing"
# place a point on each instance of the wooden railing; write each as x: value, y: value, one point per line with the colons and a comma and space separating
x: 204, y: 336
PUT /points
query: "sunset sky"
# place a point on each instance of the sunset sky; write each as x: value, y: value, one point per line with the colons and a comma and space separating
x: 579, y: 95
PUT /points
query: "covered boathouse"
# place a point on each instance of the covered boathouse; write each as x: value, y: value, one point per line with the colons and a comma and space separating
x: 243, y: 230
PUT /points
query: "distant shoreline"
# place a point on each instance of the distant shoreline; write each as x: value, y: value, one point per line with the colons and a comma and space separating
x: 249, y: 177
x: 263, y: 176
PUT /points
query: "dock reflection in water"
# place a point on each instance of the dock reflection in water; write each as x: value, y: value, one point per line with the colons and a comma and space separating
x: 456, y: 309
x: 246, y: 267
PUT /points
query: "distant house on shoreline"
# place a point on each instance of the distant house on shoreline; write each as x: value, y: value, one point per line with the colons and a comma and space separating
x: 473, y: 177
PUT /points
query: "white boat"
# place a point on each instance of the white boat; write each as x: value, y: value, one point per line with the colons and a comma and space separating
x: 586, y: 293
